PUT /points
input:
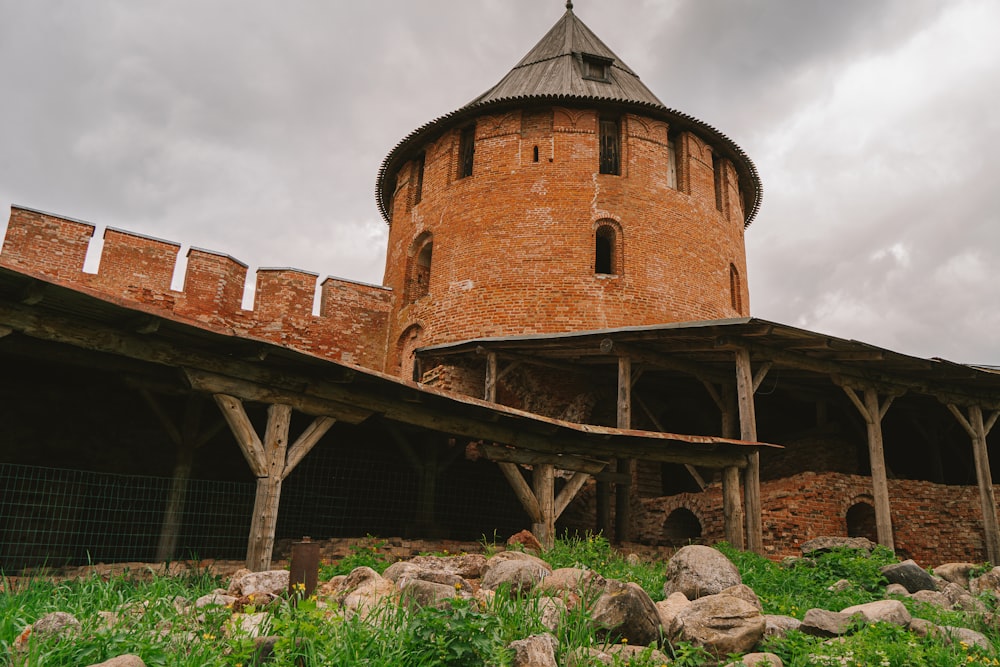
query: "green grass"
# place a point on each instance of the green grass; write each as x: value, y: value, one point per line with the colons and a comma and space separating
x: 462, y: 633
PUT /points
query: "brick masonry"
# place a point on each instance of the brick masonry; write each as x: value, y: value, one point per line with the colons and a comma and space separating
x: 136, y: 271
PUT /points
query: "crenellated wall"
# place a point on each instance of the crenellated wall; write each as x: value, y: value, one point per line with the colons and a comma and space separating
x: 136, y: 271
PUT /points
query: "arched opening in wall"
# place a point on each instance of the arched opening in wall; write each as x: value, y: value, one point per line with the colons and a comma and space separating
x: 861, y: 521
x: 406, y: 347
x: 681, y: 527
x: 418, y: 275
x: 607, y: 249
x: 735, y: 289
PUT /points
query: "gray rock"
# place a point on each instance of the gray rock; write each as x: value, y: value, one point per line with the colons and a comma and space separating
x: 965, y: 635
x: 921, y: 627
x: 776, y: 625
x: 421, y: 593
x: 625, y: 653
x: 588, y: 657
x: 881, y: 611
x: 933, y: 598
x: 625, y: 611
x: 745, y: 593
x: 215, y: 600
x: 822, y: 544
x: 122, y: 661
x: 823, y: 623
x: 956, y: 573
x: 910, y: 575
x: 669, y: 608
x: 248, y: 625
x: 897, y: 589
x: 584, y: 583
x: 839, y: 586
x: 960, y: 598
x: 519, y: 575
x: 697, y: 570
x: 552, y: 612
x: 721, y: 624
x: 468, y: 566
x: 273, y: 582
x: 986, y: 583
x: 758, y: 660
x: 57, y: 623
x: 535, y: 651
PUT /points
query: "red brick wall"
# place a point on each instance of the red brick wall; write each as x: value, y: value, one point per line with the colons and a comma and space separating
x: 932, y: 523
x: 136, y: 271
x: 514, y: 242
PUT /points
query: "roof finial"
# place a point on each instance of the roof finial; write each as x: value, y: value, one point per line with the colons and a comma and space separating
x: 569, y: 5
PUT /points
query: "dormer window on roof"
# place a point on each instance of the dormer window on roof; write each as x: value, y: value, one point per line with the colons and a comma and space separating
x: 596, y: 68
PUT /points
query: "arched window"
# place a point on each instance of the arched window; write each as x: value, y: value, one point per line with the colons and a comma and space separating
x: 735, y: 289
x: 607, y: 249
x: 418, y: 277
x: 406, y: 347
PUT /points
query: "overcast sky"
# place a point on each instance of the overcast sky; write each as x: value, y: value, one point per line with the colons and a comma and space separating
x: 257, y: 128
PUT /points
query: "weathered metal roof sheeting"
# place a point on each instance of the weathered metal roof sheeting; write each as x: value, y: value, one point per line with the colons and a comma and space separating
x: 552, y: 73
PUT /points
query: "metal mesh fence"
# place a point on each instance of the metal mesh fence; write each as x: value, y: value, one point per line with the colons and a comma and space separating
x: 57, y: 517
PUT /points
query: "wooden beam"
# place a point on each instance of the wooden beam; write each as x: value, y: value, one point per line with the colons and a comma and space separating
x: 5, y: 331
x: 732, y: 507
x: 872, y: 411
x: 748, y: 431
x: 246, y: 437
x: 695, y: 475
x: 268, y: 497
x: 565, y: 497
x: 305, y: 442
x: 499, y: 453
x: 543, y: 480
x: 761, y: 373
x: 522, y: 491
x: 490, y: 393
x: 623, y: 504
x: 978, y: 429
x: 660, y: 360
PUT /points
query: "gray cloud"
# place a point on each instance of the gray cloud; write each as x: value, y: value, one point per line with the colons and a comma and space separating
x: 257, y: 130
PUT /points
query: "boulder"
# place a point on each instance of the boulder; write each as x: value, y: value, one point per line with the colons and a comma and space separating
x: 535, y: 651
x: 527, y: 540
x: 822, y: 544
x: 881, y: 611
x: 57, y: 623
x: 697, y: 570
x: 840, y: 586
x: 745, y: 593
x: 956, y: 573
x: 988, y: 582
x: 910, y: 575
x: 758, y: 660
x: 669, y: 608
x: 363, y: 590
x: 552, y: 612
x: 248, y: 625
x: 272, y: 582
x: 776, y: 625
x: 574, y: 580
x: 519, y: 575
x: 961, y: 599
x: 721, y: 624
x: 625, y: 611
x: 897, y: 589
x: 932, y: 598
x: 966, y: 636
x: 627, y: 654
x: 467, y: 566
x: 823, y: 623
x: 588, y: 657
x: 215, y: 600
x: 127, y: 660
x: 421, y: 593
x: 921, y: 627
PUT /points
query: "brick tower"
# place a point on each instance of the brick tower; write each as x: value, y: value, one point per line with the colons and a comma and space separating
x: 565, y: 198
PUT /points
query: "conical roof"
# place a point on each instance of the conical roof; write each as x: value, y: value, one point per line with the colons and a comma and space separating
x: 570, y: 66
x: 557, y: 67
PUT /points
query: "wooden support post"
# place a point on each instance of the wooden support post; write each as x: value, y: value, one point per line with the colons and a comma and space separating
x: 732, y: 507
x: 695, y: 475
x: 745, y: 382
x: 978, y: 429
x: 543, y: 480
x: 521, y: 489
x: 873, y: 412
x: 569, y: 492
x: 271, y: 462
x: 491, y: 377
x: 623, y: 510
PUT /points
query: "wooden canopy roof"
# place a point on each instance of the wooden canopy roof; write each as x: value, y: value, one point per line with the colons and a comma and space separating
x: 704, y: 350
x: 67, y: 325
